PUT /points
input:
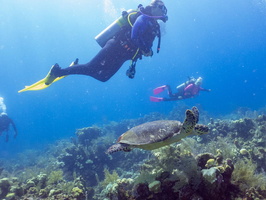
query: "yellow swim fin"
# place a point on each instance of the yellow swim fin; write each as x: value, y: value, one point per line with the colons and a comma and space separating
x: 40, y: 85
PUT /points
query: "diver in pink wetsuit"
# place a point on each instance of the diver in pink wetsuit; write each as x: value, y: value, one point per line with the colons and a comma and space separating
x: 189, y: 89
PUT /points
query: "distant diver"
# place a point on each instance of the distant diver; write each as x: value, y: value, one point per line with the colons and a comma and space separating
x: 128, y: 38
x: 5, y: 121
x: 189, y: 89
x: 2, y: 105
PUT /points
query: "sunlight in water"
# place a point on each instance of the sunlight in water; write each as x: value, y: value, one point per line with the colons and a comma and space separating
x: 109, y: 8
x: 261, y: 5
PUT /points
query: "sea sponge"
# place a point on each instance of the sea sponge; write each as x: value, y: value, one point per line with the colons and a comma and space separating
x: 209, y: 175
x: 179, y: 179
x: 155, y: 186
x: 203, y: 158
x: 29, y: 184
x: 18, y: 190
x: 210, y: 163
x: 33, y: 190
x: 11, y: 196
x: 4, y: 183
x: 54, y: 192
x: 77, y: 192
x: 4, y: 187
x: 43, y: 193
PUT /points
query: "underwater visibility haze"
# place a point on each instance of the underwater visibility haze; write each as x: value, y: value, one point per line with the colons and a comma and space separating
x: 221, y: 41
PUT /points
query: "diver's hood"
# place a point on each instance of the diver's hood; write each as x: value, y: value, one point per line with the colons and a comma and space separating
x: 164, y: 18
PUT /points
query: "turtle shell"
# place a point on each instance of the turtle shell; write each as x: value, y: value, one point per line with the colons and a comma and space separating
x: 150, y: 132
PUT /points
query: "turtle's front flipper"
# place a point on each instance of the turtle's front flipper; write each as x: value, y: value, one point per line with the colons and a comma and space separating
x: 118, y: 147
x: 201, y: 129
x: 195, y: 110
x: 189, y: 123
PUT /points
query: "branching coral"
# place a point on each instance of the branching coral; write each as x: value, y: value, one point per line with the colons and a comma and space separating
x: 109, y: 177
x: 180, y: 166
x: 246, y: 177
x: 226, y: 146
x: 55, y: 177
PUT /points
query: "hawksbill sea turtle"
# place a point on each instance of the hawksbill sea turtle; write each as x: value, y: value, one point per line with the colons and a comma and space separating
x: 156, y: 134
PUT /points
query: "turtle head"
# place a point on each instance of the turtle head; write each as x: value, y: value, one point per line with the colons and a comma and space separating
x: 118, y: 147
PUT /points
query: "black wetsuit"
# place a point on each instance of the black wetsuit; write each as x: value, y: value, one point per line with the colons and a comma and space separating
x: 119, y: 49
x: 5, y: 122
x: 173, y: 96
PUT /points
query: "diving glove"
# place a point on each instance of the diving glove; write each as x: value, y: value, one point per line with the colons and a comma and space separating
x: 131, y: 72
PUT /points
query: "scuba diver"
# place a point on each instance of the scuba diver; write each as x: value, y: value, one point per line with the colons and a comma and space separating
x: 129, y: 38
x: 5, y: 121
x: 189, y: 89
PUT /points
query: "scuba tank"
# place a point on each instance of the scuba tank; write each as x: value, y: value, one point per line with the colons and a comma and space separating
x: 114, y: 28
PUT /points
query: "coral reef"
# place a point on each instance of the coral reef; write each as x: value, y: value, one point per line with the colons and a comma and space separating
x: 85, y: 135
x: 228, y: 163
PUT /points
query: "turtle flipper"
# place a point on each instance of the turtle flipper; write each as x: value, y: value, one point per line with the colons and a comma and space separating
x: 118, y: 147
x: 189, y: 123
x: 195, y: 110
x: 201, y: 129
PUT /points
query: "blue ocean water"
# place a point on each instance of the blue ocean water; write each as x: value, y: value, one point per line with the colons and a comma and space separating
x: 222, y: 41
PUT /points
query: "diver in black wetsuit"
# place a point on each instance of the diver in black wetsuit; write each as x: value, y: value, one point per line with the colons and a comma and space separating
x: 5, y: 121
x: 130, y: 43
